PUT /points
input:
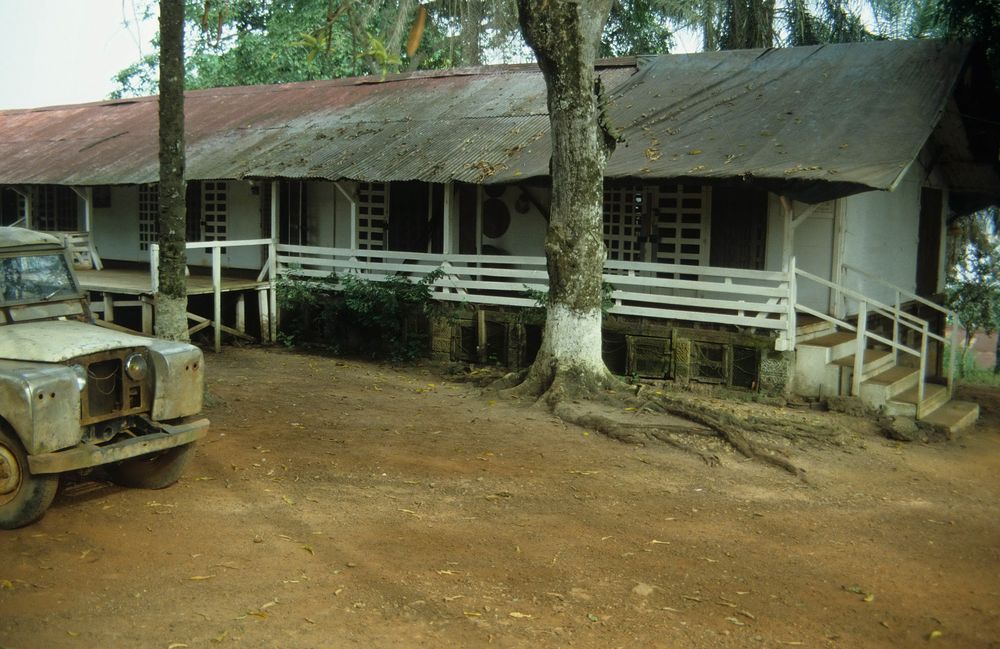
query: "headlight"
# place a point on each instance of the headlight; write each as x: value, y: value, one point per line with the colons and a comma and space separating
x: 136, y: 367
x: 81, y: 376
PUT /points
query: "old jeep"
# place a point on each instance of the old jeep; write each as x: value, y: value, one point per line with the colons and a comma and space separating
x: 75, y: 395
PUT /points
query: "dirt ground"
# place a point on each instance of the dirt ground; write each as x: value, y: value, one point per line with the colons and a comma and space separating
x: 348, y: 504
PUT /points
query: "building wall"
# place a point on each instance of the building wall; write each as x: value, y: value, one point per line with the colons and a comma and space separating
x: 881, y: 235
x: 526, y: 234
x: 116, y: 228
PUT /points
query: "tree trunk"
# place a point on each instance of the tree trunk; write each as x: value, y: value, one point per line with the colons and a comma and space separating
x: 171, y: 298
x: 564, y: 36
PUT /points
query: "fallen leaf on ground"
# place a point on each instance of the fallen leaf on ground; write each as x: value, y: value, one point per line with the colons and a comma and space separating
x: 936, y: 633
x: 200, y: 577
x: 520, y: 615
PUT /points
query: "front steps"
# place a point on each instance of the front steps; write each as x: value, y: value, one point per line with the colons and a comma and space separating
x: 825, y: 361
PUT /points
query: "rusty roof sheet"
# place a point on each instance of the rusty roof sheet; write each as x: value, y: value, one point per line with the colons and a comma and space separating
x: 853, y: 115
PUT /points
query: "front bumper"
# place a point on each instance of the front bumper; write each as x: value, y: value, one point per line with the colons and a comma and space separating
x: 158, y: 437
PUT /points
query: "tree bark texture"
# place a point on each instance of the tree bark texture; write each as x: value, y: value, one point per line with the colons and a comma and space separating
x: 171, y: 300
x: 565, y: 35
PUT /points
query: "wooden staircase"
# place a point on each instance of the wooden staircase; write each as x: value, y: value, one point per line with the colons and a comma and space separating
x: 825, y: 366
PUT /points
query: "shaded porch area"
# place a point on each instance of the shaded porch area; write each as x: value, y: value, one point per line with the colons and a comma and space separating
x: 123, y: 298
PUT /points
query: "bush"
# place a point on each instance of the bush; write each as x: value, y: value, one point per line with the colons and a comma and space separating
x: 381, y: 319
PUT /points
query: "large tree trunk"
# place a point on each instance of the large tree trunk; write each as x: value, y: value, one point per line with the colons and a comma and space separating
x: 565, y: 36
x: 171, y: 299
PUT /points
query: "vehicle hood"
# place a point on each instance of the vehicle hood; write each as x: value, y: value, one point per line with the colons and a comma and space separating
x: 56, y: 341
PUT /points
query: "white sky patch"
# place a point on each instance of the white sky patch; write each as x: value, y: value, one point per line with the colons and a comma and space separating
x: 67, y: 51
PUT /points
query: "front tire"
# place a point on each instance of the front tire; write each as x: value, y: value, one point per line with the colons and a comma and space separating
x: 153, y: 471
x: 23, y: 497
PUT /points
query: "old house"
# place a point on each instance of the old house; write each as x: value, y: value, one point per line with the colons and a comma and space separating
x: 774, y: 219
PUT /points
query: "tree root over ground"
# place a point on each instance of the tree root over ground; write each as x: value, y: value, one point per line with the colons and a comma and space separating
x: 742, y: 428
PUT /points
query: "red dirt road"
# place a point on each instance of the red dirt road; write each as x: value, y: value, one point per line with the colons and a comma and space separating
x: 347, y: 504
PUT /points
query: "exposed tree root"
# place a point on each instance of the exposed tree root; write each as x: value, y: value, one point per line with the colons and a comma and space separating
x: 561, y: 389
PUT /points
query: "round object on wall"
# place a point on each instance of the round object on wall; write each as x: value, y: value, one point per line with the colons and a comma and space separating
x: 494, y: 191
x: 496, y: 218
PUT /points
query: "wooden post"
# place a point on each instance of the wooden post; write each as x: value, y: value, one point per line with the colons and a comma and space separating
x: 792, y: 333
x: 109, y: 307
x: 921, y: 384
x: 861, y: 345
x: 481, y: 335
x: 953, y: 346
x: 446, y: 243
x: 241, y: 313
x: 788, y: 230
x: 217, y: 296
x: 147, y: 315
x: 265, y: 320
x: 154, y: 267
x: 479, y: 219
x: 272, y: 261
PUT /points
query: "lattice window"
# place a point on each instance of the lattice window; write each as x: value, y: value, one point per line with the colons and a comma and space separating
x: 54, y: 209
x: 149, y: 210
x: 682, y: 224
x: 214, y: 208
x: 623, y: 207
x: 373, y: 211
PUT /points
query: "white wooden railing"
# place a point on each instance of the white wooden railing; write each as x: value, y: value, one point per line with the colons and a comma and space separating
x: 901, y: 321
x: 267, y: 271
x: 745, y: 298
x: 902, y: 296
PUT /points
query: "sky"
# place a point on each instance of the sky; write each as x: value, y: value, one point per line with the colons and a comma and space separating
x: 66, y: 51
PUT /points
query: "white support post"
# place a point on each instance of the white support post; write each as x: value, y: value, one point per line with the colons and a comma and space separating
x: 241, y: 313
x: 272, y: 294
x: 154, y: 267
x: 27, y: 209
x: 922, y: 382
x: 88, y: 202
x: 788, y: 231
x: 353, y: 229
x: 147, y: 315
x: 446, y: 219
x: 861, y: 345
x: 792, y: 332
x: 272, y: 262
x: 953, y: 347
x: 109, y: 307
x: 217, y: 296
x: 895, y: 330
x: 479, y: 219
x: 265, y: 320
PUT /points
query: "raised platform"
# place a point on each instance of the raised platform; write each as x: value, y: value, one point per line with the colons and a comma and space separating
x: 138, y: 282
x: 113, y: 289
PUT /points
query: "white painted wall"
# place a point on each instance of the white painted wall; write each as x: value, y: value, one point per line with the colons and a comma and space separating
x: 526, y: 234
x: 881, y: 235
x: 116, y: 228
x: 812, y: 247
x: 323, y: 201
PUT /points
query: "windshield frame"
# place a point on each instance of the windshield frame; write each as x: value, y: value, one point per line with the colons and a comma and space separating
x: 73, y: 293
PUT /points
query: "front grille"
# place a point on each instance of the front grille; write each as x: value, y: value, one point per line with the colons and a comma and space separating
x: 110, y: 393
x: 104, y: 387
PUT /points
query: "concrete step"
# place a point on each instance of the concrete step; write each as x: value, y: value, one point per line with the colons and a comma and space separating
x: 874, y: 360
x: 885, y: 385
x: 905, y: 403
x: 812, y: 328
x: 954, y: 416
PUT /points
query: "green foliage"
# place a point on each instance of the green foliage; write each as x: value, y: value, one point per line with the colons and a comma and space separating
x: 974, y: 291
x: 639, y: 27
x: 381, y: 319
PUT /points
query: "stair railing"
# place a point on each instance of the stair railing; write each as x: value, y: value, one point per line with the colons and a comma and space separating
x: 866, y: 306
x: 902, y: 294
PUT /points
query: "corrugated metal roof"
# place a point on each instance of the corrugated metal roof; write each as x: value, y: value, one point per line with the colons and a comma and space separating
x: 855, y: 115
